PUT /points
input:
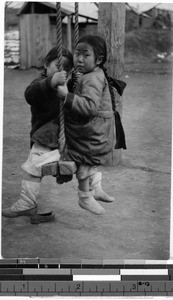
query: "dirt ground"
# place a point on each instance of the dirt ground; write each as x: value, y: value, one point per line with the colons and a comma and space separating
x: 136, y: 225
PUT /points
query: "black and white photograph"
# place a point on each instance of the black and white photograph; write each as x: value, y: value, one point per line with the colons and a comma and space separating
x: 87, y: 87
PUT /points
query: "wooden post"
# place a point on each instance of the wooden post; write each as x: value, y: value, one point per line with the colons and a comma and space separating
x: 111, y: 26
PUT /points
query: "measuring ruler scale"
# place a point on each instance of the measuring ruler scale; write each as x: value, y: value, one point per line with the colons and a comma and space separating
x: 47, y: 277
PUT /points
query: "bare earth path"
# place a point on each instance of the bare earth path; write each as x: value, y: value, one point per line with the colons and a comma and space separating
x: 136, y: 225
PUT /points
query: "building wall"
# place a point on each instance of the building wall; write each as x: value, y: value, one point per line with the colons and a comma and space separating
x: 38, y: 34
x: 84, y: 28
x: 34, y: 39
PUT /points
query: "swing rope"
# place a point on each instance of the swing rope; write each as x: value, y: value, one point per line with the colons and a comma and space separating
x: 61, y: 139
x: 64, y: 170
x: 75, y: 39
x: 76, y: 25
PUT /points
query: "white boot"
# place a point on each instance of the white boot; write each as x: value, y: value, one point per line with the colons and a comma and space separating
x: 87, y: 201
x: 26, y: 205
x: 95, y: 184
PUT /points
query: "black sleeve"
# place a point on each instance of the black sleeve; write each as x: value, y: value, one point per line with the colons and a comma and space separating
x: 39, y: 90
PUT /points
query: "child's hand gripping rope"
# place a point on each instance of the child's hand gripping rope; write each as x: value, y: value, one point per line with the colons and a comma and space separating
x: 63, y: 90
x: 59, y: 78
x: 76, y: 75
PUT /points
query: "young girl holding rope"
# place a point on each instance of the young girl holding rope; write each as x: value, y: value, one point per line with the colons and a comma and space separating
x: 41, y: 94
x: 90, y: 127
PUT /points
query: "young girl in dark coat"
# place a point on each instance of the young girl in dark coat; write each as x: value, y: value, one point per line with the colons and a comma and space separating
x: 41, y: 95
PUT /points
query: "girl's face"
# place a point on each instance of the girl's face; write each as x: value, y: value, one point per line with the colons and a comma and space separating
x: 52, y: 67
x: 84, y: 58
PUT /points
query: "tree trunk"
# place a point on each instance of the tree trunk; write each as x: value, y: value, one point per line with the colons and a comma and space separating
x: 111, y: 26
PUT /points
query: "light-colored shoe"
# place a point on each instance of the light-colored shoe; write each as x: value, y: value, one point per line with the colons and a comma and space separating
x: 87, y: 201
x: 9, y: 213
x: 100, y: 195
x: 95, y: 185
